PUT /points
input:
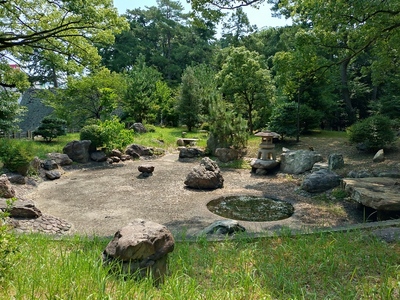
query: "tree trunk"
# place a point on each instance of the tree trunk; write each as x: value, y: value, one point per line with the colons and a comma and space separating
x: 346, y: 92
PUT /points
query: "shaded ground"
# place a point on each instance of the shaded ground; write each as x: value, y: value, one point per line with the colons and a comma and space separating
x: 99, y: 198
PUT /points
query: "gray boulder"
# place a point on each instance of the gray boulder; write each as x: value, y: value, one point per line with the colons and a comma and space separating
x: 223, y: 227
x: 320, y: 181
x: 49, y: 164
x: 379, y: 157
x: 297, y: 162
x: 60, y: 158
x: 138, y: 150
x: 263, y: 164
x: 6, y: 189
x: 335, y: 161
x: 98, y: 156
x: 139, y: 128
x: 226, y: 154
x: 53, y: 174
x: 141, y: 248
x: 190, y: 152
x: 206, y: 176
x: 78, y: 151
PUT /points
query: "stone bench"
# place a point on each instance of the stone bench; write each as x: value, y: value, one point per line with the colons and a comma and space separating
x: 186, y: 142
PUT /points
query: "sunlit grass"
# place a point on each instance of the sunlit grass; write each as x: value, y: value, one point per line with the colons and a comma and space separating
x: 350, y: 265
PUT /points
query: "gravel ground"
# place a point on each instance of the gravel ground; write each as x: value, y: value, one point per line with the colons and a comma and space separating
x: 99, y: 199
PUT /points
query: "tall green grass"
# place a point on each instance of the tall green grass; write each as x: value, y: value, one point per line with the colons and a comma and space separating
x: 350, y: 265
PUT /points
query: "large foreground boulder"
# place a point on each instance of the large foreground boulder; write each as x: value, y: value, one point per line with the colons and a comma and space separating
x: 78, y: 151
x: 297, y: 162
x: 206, y: 176
x: 140, y: 248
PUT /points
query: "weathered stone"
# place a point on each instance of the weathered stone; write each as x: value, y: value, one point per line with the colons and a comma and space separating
x: 359, y: 174
x: 53, y: 174
x: 223, y: 227
x: 297, y: 162
x: 16, y: 178
x: 335, y: 161
x: 49, y: 164
x: 139, y: 128
x: 116, y: 152
x: 115, y: 159
x: 263, y: 164
x: 226, y: 154
x: 319, y: 166
x: 98, y: 156
x: 21, y: 209
x: 138, y: 150
x: 35, y: 164
x: 379, y: 193
x: 190, y: 152
x: 389, y: 235
x: 6, y: 189
x: 206, y: 176
x: 180, y: 142
x: 379, y: 157
x: 320, y: 181
x: 146, y: 168
x: 78, y: 151
x: 141, y: 248
x: 60, y: 158
x: 125, y: 157
x: 260, y: 172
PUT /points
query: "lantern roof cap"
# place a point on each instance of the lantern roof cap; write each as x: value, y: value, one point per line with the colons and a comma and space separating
x: 267, y: 133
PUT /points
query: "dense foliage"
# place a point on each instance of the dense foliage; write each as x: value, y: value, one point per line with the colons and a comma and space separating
x: 50, y: 128
x: 374, y: 132
x: 110, y: 134
x: 164, y: 65
x: 16, y: 156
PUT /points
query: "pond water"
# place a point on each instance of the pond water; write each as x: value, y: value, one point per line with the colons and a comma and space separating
x: 251, y: 208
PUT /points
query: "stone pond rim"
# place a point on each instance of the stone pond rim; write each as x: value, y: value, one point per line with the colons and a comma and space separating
x: 251, y: 208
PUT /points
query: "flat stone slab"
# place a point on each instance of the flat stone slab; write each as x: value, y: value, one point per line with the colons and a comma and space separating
x: 380, y: 193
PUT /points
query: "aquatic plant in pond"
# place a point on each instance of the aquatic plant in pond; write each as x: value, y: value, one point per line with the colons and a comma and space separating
x: 251, y: 208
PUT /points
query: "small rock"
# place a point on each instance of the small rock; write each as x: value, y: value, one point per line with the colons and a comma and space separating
x: 6, y: 190
x: 224, y: 227
x: 379, y: 157
x: 53, y: 174
x: 146, y: 169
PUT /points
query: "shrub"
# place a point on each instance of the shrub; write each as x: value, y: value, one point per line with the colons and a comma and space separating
x: 227, y: 129
x: 95, y: 134
x: 116, y: 136
x: 50, y: 128
x: 110, y: 134
x: 16, y: 156
x: 374, y: 132
x: 284, y: 119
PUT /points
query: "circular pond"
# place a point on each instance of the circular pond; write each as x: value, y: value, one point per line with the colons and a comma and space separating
x: 251, y: 208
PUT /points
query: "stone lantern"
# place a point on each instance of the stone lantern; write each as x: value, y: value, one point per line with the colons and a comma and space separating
x: 267, y: 147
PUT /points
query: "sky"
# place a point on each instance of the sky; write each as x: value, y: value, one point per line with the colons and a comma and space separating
x: 260, y: 17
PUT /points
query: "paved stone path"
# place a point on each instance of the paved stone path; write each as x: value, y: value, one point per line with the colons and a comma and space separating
x: 45, y: 224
